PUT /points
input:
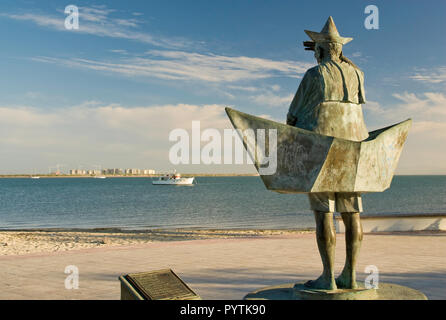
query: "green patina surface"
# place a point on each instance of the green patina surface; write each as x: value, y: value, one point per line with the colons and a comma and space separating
x: 323, y: 148
x: 311, y: 162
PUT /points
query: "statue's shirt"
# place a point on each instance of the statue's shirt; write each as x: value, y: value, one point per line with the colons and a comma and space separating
x: 328, y: 101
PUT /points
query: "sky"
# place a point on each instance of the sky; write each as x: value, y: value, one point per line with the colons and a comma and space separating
x: 109, y: 93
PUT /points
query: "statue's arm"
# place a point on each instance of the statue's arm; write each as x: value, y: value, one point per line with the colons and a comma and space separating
x: 298, y: 100
x: 290, y: 119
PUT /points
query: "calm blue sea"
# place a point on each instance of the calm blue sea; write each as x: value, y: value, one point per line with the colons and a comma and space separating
x: 215, y: 202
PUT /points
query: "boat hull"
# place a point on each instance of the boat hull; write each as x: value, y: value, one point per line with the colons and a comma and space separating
x: 181, y: 181
x: 310, y: 162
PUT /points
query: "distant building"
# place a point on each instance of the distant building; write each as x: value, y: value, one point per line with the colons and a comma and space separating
x: 77, y: 172
x: 132, y: 171
x: 114, y: 171
x: 91, y: 172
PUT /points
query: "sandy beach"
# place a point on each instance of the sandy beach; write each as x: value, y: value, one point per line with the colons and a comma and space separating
x: 57, y: 240
x: 216, y: 264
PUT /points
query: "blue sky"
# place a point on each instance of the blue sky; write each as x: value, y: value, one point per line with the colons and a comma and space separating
x: 110, y: 92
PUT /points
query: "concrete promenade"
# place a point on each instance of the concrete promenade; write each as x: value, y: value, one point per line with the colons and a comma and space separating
x: 225, y: 268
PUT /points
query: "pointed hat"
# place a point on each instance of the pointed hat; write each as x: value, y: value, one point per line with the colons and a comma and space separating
x: 329, y: 33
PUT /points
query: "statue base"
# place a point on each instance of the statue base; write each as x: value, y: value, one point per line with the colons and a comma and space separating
x: 297, y: 291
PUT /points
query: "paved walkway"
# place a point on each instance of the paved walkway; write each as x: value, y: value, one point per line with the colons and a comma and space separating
x: 224, y: 268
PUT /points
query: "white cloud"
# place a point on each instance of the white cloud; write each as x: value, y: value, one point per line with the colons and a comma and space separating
x: 373, y: 107
x: 433, y: 76
x: 142, y: 122
x: 99, y: 21
x: 275, y: 87
x: 272, y: 100
x: 243, y: 88
x: 269, y: 117
x: 121, y: 51
x: 95, y: 13
x: 424, y: 152
x: 427, y: 106
x: 117, y: 136
x: 430, y: 106
x: 94, y: 133
x: 180, y: 65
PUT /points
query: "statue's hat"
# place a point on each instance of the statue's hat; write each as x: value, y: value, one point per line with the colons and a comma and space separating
x: 329, y: 33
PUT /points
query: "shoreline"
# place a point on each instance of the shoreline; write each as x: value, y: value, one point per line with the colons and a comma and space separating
x: 56, y: 240
x: 30, y: 241
x: 23, y: 175
x: 11, y: 176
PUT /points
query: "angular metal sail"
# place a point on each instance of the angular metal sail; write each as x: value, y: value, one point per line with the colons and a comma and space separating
x: 310, y: 162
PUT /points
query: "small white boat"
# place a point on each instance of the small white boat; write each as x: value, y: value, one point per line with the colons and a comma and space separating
x: 99, y: 177
x: 174, y: 179
x: 35, y: 177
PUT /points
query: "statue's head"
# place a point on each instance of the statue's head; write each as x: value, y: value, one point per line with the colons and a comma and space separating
x: 328, y: 42
x: 327, y: 51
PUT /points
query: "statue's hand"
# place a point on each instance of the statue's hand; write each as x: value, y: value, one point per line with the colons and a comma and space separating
x: 291, y: 120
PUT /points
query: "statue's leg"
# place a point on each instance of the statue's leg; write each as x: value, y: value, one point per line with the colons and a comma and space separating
x: 353, y: 240
x: 326, y: 242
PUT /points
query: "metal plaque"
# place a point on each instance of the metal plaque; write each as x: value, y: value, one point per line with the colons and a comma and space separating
x: 157, y: 285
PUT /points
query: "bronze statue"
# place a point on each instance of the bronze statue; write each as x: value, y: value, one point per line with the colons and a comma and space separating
x: 328, y: 102
x: 325, y: 151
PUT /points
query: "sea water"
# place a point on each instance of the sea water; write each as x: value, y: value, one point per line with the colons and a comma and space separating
x: 214, y: 202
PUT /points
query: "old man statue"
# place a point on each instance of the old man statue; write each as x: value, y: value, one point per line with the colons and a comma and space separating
x: 328, y: 101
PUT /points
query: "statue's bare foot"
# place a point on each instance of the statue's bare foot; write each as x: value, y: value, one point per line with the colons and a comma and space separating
x: 323, y: 282
x: 346, y: 281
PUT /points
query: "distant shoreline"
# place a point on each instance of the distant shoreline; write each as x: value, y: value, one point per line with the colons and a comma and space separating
x: 129, y: 176
x: 183, y: 174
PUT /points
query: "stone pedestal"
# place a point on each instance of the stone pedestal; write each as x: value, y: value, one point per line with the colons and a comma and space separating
x: 297, y: 291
